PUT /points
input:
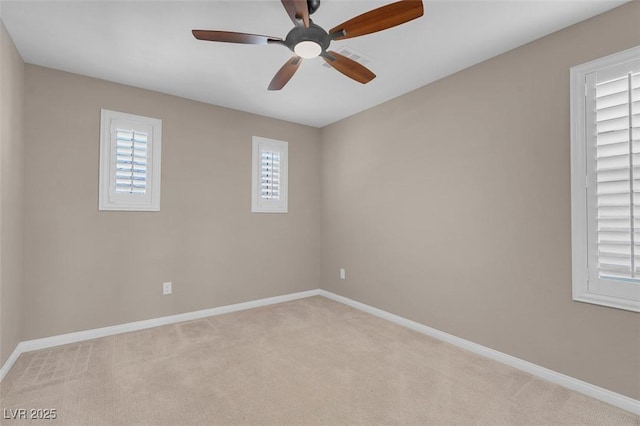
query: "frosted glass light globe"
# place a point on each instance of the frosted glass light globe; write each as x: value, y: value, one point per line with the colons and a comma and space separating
x: 307, y: 49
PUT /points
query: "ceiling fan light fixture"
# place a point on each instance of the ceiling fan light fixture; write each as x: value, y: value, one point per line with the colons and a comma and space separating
x: 309, y: 40
x: 307, y: 49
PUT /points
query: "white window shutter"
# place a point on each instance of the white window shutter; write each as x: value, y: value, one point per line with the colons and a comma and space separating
x: 617, y: 171
x: 131, y: 162
x: 270, y: 174
x: 605, y: 150
x: 269, y: 183
x: 130, y: 150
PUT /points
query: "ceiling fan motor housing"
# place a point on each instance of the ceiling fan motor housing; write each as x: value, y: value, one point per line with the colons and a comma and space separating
x: 314, y: 33
x: 313, y: 5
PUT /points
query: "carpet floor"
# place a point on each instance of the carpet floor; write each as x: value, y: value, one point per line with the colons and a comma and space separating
x: 309, y: 361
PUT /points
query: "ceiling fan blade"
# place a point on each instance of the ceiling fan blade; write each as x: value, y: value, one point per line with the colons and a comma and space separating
x: 231, y: 37
x: 349, y: 67
x: 297, y: 9
x: 285, y: 73
x: 378, y: 19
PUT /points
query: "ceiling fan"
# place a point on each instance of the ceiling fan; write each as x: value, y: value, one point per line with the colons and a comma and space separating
x: 308, y: 40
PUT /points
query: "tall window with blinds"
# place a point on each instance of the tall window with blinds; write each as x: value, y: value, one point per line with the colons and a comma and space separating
x: 130, y: 149
x: 269, y: 176
x: 606, y: 180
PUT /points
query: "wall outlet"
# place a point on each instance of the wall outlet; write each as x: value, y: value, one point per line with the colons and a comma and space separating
x: 343, y: 274
x: 166, y: 288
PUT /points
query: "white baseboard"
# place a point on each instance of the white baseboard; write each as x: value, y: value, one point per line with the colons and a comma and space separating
x: 10, y: 361
x: 613, y: 398
x: 588, y: 389
x: 63, y: 339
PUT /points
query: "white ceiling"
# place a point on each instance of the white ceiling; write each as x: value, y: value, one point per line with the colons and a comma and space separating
x: 149, y: 44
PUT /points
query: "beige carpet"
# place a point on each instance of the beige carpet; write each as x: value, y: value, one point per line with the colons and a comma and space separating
x: 310, y: 361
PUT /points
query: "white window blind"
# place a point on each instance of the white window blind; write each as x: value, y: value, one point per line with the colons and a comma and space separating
x: 616, y: 125
x: 605, y: 180
x: 269, y: 176
x: 131, y: 161
x: 130, y: 149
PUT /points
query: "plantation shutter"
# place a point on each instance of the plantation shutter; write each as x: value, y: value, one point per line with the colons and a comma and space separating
x: 605, y: 180
x: 131, y: 161
x: 270, y: 173
x: 131, y: 171
x: 613, y: 103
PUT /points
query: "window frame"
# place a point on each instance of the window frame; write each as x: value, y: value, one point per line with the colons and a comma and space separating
x: 597, y: 291
x: 258, y: 204
x: 107, y: 199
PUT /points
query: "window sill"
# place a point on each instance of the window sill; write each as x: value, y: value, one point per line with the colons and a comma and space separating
x: 611, y: 302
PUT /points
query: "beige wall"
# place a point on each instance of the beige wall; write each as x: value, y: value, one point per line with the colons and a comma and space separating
x: 451, y: 206
x: 11, y: 180
x: 86, y: 269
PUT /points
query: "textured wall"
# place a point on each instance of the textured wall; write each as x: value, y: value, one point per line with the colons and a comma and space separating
x: 86, y: 268
x: 11, y: 180
x: 450, y: 206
